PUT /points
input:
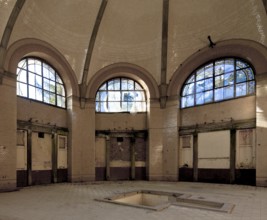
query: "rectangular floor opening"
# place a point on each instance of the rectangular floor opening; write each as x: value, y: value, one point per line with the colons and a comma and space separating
x: 158, y: 200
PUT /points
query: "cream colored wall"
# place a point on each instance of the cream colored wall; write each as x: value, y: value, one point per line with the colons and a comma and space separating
x: 214, y: 150
x: 236, y: 109
x: 261, y: 131
x: 121, y: 121
x: 66, y: 25
x: 6, y: 7
x: 81, y: 144
x: 40, y: 113
x: 191, y: 22
x: 8, y: 134
x: 41, y: 152
x: 130, y: 32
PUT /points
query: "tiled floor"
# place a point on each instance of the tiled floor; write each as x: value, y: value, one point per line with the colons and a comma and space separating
x: 77, y: 202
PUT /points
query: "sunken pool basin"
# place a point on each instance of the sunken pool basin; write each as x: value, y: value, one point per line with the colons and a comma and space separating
x: 159, y: 200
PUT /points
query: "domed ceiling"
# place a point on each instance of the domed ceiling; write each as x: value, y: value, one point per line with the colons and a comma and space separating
x: 131, y: 30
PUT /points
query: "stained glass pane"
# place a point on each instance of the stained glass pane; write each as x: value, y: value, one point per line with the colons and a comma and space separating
x: 189, y: 100
x: 138, y: 87
x: 60, y: 90
x: 241, y: 76
x: 251, y: 87
x: 229, y: 65
x: 39, y: 94
x: 218, y: 94
x: 103, y: 87
x: 208, y: 84
x: 200, y: 86
x: 45, y: 70
x: 130, y: 84
x: 52, y: 74
x: 114, y: 107
x: 114, y: 96
x: 191, y: 79
x: 228, y: 79
x: 38, y: 81
x: 139, y: 96
x: 209, y: 70
x: 241, y: 89
x: 117, y: 84
x: 189, y: 89
x: 103, y: 96
x: 31, y: 79
x: 52, y: 86
x: 219, y: 67
x: 208, y: 96
x: 219, y: 81
x: 52, y: 98
x: 200, y: 98
x: 58, y: 79
x: 124, y: 84
x: 241, y: 64
x: 46, y: 97
x: 228, y: 92
x: 22, y: 75
x: 22, y: 89
x: 22, y: 64
x: 200, y: 74
x: 249, y: 73
x: 31, y: 92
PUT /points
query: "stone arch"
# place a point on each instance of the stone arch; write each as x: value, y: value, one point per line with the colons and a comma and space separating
x: 124, y: 70
x: 43, y: 50
x: 251, y: 51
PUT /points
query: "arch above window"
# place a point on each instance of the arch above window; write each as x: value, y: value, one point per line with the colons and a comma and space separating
x: 219, y: 80
x: 120, y: 95
x: 38, y: 81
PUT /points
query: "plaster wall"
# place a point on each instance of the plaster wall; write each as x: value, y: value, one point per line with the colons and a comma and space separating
x: 237, y: 109
x: 191, y: 22
x: 170, y: 141
x: 214, y: 150
x: 155, y: 142
x: 40, y: 113
x: 261, y: 130
x: 81, y: 154
x: 8, y: 134
x: 121, y: 121
x: 5, y: 11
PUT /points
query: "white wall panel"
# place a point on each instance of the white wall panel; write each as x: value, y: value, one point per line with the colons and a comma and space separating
x: 41, y: 152
x: 214, y: 150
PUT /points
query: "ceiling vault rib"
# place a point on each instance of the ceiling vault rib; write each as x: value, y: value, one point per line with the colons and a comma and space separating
x: 164, y: 47
x: 8, y: 30
x: 83, y: 85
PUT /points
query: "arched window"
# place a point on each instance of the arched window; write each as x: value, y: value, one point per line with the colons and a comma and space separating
x: 39, y: 81
x: 120, y: 95
x: 219, y: 80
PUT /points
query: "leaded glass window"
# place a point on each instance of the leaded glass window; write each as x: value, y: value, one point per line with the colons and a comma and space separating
x: 120, y: 95
x: 218, y: 80
x: 38, y: 81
